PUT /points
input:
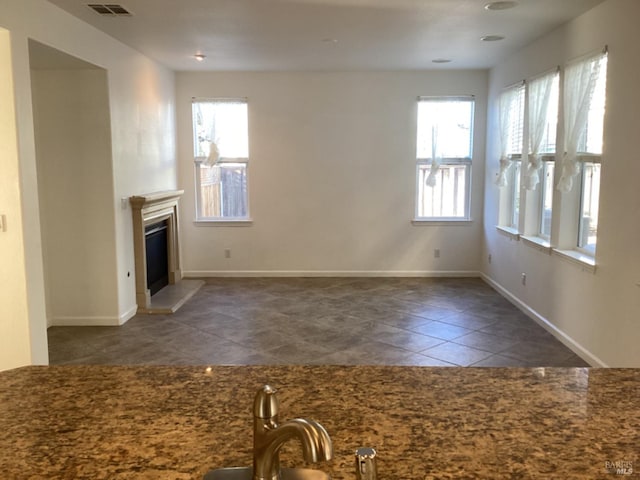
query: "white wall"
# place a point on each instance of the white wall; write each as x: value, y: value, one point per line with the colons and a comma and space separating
x: 598, y: 314
x: 75, y: 188
x: 331, y: 176
x: 141, y: 99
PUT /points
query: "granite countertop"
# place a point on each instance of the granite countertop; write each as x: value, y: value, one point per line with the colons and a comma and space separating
x: 104, y: 422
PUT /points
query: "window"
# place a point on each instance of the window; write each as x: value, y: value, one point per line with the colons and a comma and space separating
x: 221, y: 151
x: 514, y: 192
x: 589, y: 201
x: 584, y: 104
x: 542, y: 97
x: 511, y: 143
x: 546, y: 200
x: 444, y: 153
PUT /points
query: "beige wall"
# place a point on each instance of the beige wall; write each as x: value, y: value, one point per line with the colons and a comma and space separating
x: 75, y: 188
x: 597, y: 314
x: 141, y: 104
x: 331, y: 176
x: 15, y: 348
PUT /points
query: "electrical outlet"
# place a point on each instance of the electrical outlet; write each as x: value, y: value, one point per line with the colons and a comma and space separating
x: 124, y: 202
x: 227, y: 253
x: 436, y: 253
x: 524, y: 279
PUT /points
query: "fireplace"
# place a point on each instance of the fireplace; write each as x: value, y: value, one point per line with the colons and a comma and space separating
x: 156, y: 244
x: 155, y: 240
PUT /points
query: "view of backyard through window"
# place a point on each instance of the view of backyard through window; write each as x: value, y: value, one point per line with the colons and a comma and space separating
x: 444, y: 151
x: 221, y: 148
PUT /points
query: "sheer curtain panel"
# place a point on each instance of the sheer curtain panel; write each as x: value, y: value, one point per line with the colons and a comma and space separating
x: 580, y: 81
x: 539, y: 95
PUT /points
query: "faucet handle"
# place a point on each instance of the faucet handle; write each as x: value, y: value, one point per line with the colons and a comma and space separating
x: 366, y: 468
x: 265, y: 403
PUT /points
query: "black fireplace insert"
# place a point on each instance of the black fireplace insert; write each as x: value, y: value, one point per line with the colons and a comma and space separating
x: 157, y: 257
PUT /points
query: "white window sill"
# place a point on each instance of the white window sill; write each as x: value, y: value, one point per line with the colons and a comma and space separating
x: 510, y: 232
x: 245, y: 222
x: 537, y: 243
x: 587, y: 263
x: 441, y: 221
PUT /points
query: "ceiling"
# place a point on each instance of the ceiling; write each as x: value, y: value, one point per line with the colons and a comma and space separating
x: 259, y: 35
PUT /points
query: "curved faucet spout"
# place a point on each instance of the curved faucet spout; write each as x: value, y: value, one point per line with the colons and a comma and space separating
x: 316, y: 443
x: 269, y: 437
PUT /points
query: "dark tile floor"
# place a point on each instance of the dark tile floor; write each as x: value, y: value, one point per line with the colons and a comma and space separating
x: 391, y: 321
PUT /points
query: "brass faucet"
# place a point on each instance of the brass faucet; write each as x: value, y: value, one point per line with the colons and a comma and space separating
x: 269, y: 437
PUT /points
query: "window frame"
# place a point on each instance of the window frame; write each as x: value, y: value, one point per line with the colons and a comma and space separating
x: 221, y: 162
x: 572, y: 224
x: 449, y: 162
x: 535, y: 216
x: 514, y: 176
x: 423, y: 165
x: 511, y: 196
x: 584, y: 160
x: 585, y: 157
x: 547, y: 159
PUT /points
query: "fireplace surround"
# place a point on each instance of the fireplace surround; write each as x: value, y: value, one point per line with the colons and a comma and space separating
x: 149, y: 209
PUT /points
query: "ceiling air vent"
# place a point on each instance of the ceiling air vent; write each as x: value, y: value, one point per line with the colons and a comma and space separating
x: 109, y: 9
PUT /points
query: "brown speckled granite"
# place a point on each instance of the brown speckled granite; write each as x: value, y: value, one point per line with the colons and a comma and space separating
x: 102, y: 422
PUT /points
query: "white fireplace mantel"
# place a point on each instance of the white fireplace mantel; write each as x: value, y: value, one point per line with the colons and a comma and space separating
x: 148, y: 209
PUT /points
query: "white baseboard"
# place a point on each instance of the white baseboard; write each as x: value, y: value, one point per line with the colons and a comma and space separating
x: 328, y: 273
x: 94, y: 321
x: 85, y: 322
x: 128, y: 315
x: 569, y: 342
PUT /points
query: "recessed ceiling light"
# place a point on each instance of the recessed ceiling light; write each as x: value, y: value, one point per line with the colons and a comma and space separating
x: 199, y: 57
x: 500, y: 5
x: 441, y: 60
x: 492, y: 38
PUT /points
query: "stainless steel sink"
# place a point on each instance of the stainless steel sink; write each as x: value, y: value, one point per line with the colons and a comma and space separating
x: 246, y: 473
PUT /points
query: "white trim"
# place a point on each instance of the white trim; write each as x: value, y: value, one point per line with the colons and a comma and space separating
x: 329, y: 273
x: 219, y: 100
x: 94, y: 321
x: 448, y: 221
x: 577, y: 258
x: 446, y: 98
x: 86, y: 321
x: 538, y: 243
x: 566, y: 340
x: 245, y: 222
x: 128, y: 315
x: 510, y: 232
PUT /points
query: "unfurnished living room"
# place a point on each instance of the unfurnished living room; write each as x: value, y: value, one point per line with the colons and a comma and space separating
x: 315, y: 239
x: 320, y: 182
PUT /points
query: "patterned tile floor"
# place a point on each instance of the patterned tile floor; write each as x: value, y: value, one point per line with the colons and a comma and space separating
x: 390, y: 321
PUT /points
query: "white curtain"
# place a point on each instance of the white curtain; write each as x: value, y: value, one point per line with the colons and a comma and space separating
x: 506, y: 117
x: 221, y: 130
x: 444, y: 131
x: 436, y: 158
x: 214, y: 152
x: 579, y: 83
x: 539, y: 95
